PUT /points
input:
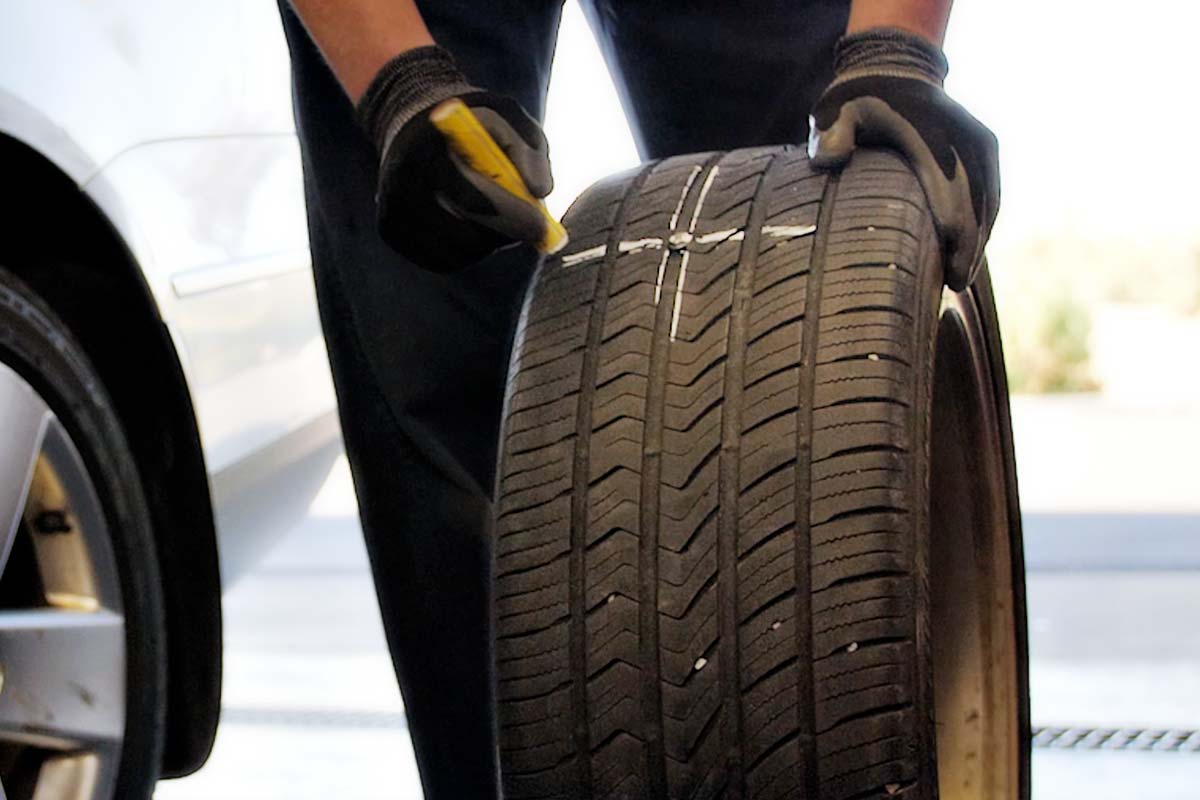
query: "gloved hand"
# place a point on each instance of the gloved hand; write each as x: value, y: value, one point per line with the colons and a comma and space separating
x: 887, y: 90
x: 431, y: 207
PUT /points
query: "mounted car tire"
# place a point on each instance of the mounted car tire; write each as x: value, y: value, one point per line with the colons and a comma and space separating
x: 757, y: 532
x: 82, y: 670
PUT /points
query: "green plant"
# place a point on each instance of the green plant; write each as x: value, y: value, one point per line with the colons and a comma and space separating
x: 1046, y: 346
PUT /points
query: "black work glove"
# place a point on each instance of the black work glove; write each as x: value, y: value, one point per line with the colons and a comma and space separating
x: 431, y: 207
x: 887, y: 90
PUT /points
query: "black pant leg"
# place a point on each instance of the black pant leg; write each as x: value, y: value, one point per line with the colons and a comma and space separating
x: 419, y: 363
x: 698, y: 75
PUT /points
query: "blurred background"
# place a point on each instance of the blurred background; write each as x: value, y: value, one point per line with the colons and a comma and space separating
x: 1096, y: 259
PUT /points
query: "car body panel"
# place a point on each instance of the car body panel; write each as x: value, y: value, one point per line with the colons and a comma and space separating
x: 227, y: 215
x: 124, y: 73
x: 175, y: 119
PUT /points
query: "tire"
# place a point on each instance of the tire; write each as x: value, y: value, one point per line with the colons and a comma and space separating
x: 719, y: 571
x: 69, y: 740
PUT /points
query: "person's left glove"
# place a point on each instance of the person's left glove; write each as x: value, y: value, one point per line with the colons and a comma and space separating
x: 431, y: 207
x: 887, y: 91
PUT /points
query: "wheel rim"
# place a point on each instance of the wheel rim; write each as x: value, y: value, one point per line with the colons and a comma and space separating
x: 62, y: 628
x: 973, y: 627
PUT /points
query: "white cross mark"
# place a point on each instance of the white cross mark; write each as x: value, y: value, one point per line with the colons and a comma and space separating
x: 683, y: 238
x: 662, y: 264
x: 708, y: 182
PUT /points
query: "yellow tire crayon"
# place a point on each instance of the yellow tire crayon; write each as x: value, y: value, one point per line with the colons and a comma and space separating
x: 474, y: 145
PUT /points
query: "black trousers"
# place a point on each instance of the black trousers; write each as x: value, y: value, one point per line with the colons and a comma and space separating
x: 419, y: 360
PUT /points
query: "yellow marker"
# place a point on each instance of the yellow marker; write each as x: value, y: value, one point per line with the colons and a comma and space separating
x: 474, y: 145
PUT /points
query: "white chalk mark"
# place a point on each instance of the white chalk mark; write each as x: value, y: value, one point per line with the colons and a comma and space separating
x: 639, y: 245
x: 601, y: 251
x: 679, y: 293
x: 708, y: 183
x: 662, y: 264
x: 590, y: 254
x: 717, y: 237
x: 738, y: 234
x: 788, y: 231
x: 683, y: 240
x: 687, y: 187
x: 662, y: 270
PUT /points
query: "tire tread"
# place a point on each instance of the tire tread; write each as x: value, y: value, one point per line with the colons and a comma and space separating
x: 706, y: 577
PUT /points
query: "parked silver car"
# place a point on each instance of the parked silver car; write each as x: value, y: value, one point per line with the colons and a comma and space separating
x: 165, y: 400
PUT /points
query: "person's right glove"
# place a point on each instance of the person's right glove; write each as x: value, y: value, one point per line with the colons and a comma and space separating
x: 887, y: 91
x: 431, y: 207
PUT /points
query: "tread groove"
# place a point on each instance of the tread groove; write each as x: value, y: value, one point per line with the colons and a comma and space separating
x: 648, y: 544
x: 577, y: 566
x: 729, y: 486
x: 806, y: 702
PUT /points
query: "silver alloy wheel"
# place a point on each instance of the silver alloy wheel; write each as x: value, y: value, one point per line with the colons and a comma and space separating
x: 974, y: 626
x: 62, y: 626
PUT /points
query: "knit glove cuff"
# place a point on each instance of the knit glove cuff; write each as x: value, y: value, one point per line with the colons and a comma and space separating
x: 890, y: 52
x: 412, y: 82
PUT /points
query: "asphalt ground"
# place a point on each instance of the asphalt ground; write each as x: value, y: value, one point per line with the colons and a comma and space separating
x: 1112, y: 513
